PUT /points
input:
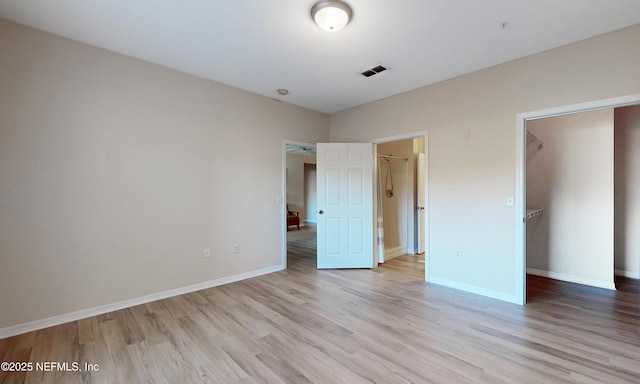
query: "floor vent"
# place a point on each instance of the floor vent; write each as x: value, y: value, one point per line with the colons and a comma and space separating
x: 374, y: 71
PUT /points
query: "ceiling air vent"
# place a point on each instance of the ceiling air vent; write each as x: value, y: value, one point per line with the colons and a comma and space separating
x: 374, y: 71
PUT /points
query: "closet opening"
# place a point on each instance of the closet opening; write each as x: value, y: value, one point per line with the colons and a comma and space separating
x: 578, y: 178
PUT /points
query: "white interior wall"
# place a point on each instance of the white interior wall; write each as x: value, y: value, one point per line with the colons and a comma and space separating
x: 627, y: 191
x: 472, y: 147
x: 571, y: 178
x: 116, y: 174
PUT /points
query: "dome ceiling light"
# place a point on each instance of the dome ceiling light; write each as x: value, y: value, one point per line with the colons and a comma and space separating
x: 331, y: 15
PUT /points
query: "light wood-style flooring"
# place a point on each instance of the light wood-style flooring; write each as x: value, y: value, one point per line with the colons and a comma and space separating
x: 385, y: 325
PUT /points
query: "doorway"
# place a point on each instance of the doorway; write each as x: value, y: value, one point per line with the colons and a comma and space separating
x: 396, y: 190
x: 422, y: 137
x: 401, y: 216
x: 299, y: 241
x: 521, y: 191
x: 570, y: 198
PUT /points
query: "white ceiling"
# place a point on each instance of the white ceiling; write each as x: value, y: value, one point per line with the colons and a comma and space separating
x: 263, y: 45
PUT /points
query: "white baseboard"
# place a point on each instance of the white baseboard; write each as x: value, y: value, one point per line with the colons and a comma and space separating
x: 475, y: 290
x: 572, y: 278
x: 629, y: 274
x: 84, y: 313
x: 390, y: 253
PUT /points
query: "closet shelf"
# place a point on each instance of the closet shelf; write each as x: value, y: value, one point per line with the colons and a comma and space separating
x: 533, y: 212
x: 533, y: 140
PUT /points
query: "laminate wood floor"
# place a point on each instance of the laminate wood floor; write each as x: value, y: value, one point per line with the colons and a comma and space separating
x: 384, y: 325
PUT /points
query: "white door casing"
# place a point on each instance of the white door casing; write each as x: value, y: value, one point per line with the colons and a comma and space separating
x: 345, y: 205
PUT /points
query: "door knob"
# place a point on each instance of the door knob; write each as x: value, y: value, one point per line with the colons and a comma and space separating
x: 321, y: 212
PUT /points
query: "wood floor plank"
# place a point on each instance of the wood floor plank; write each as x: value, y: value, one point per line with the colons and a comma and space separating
x: 386, y: 325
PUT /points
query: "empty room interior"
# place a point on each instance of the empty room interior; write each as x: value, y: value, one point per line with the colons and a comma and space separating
x: 326, y: 191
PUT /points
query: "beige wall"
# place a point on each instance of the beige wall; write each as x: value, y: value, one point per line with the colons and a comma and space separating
x: 627, y: 191
x: 571, y: 178
x: 116, y: 173
x: 472, y: 153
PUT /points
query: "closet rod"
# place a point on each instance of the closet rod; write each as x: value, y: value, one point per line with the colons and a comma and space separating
x: 393, y: 157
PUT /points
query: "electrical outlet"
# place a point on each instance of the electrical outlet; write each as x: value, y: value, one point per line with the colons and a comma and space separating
x: 236, y: 248
x: 458, y: 254
x: 206, y: 252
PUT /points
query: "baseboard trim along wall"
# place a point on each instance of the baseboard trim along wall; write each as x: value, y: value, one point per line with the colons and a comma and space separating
x: 395, y: 252
x: 572, y: 278
x: 82, y: 314
x: 476, y: 290
x: 628, y: 274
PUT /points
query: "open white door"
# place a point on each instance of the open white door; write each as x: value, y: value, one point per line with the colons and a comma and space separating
x: 421, y: 204
x: 345, y: 205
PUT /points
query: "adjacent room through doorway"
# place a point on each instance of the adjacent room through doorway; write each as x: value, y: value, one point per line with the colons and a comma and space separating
x: 300, y: 203
x: 399, y: 212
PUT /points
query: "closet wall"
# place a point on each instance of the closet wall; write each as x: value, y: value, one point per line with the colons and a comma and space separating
x: 627, y: 191
x: 571, y: 178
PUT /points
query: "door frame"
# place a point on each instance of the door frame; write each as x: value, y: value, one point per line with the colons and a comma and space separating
x: 406, y: 136
x: 281, y: 199
x: 521, y: 163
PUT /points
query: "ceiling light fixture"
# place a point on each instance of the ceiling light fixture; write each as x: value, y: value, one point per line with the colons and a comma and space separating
x: 331, y: 15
